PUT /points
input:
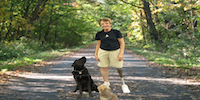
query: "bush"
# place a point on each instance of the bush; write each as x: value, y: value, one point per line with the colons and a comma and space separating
x: 22, y: 48
x: 183, y: 51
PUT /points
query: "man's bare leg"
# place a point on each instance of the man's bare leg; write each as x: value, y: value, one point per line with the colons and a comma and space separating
x: 104, y: 73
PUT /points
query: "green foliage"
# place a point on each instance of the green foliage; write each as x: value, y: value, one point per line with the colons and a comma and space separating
x: 178, y: 28
x: 27, y: 53
x: 119, y: 13
x: 22, y: 48
x: 53, y: 22
x: 3, y: 70
x: 185, y: 48
x: 174, y: 58
x: 182, y: 52
x: 27, y: 29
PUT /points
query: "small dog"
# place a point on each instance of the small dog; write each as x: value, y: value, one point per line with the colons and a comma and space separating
x: 82, y: 77
x: 105, y: 93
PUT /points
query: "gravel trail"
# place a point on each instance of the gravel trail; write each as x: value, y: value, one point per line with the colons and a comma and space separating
x: 54, y: 81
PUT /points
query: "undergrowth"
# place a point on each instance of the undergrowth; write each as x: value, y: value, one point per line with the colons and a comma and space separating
x: 180, y: 53
x: 21, y: 53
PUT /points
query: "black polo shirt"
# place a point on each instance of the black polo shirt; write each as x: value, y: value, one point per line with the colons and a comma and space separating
x: 109, y: 40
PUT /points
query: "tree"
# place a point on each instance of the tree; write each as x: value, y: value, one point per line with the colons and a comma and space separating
x: 150, y: 22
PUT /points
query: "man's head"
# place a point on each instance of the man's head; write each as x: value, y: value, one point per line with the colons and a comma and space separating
x: 105, y: 20
x: 105, y: 23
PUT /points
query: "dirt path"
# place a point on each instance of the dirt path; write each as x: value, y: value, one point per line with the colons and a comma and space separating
x: 55, y: 82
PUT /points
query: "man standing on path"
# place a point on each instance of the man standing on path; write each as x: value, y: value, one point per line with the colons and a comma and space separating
x: 109, y: 51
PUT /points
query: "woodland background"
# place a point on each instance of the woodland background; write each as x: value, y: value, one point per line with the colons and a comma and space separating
x: 164, y: 31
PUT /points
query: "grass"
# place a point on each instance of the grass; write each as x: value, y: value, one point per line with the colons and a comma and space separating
x: 169, y: 60
x: 164, y: 58
x: 14, y: 63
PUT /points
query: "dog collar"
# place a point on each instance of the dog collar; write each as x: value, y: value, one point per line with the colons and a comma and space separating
x: 80, y: 72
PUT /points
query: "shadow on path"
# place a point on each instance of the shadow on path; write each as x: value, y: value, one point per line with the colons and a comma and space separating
x: 55, y: 82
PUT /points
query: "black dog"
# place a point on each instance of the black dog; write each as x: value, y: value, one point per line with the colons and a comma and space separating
x: 82, y: 77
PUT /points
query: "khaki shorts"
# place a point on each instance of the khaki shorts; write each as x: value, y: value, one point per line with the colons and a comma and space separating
x: 109, y: 58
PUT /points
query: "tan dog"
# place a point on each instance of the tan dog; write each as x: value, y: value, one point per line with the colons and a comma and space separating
x: 105, y: 93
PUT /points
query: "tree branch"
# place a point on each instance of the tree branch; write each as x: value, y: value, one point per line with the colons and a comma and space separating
x: 131, y: 4
x: 55, y: 19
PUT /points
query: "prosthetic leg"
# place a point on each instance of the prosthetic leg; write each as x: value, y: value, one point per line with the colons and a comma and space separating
x: 125, y: 88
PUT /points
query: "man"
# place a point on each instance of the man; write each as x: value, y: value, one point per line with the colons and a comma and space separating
x: 110, y: 50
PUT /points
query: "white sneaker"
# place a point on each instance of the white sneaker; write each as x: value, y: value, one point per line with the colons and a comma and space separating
x: 106, y: 83
x: 125, y: 88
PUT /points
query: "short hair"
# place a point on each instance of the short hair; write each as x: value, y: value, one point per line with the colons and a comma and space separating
x: 105, y: 19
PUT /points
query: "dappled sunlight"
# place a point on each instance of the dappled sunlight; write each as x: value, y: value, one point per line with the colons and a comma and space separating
x: 43, y: 89
x: 19, y: 88
x: 163, y: 80
x: 159, y: 95
x: 39, y: 84
x: 39, y: 87
x: 143, y: 96
x: 86, y: 55
x: 30, y: 75
x: 58, y: 62
x: 47, y: 76
x: 60, y: 69
x: 33, y: 89
x: 56, y: 80
x: 129, y: 79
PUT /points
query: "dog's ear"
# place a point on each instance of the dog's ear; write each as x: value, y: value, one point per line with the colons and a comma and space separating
x: 74, y: 63
x: 108, y: 88
x: 99, y: 88
x: 104, y: 87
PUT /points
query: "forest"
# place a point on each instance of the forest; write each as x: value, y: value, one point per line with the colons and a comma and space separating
x: 164, y: 31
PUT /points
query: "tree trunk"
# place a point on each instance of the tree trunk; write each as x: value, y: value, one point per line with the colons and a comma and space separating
x: 150, y: 22
x: 10, y: 29
x: 48, y: 28
x: 1, y: 32
x: 55, y: 33
x: 25, y: 15
x: 35, y: 13
x: 40, y: 31
x: 143, y: 27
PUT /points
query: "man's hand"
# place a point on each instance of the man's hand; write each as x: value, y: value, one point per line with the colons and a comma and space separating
x: 96, y: 57
x: 120, y: 57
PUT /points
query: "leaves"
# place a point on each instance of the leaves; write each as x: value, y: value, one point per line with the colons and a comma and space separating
x: 3, y: 70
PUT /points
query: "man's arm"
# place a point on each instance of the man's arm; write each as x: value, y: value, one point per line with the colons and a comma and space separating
x: 122, y: 47
x: 97, y: 49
